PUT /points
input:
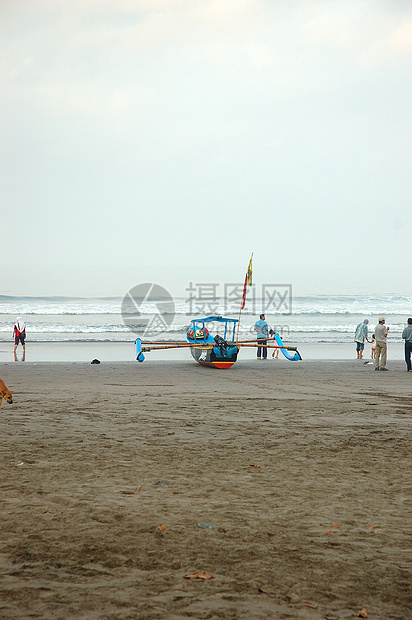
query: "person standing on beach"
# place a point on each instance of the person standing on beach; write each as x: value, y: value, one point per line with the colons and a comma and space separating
x: 373, y: 349
x: 361, y: 334
x: 407, y: 335
x: 262, y: 328
x: 19, y: 335
x: 381, y: 334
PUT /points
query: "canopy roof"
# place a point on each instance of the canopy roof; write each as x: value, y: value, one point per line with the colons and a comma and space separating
x: 219, y: 319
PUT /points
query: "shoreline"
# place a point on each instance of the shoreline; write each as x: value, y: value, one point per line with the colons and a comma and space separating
x: 125, y: 351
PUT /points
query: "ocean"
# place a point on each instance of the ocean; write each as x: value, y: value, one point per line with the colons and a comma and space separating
x: 57, y: 327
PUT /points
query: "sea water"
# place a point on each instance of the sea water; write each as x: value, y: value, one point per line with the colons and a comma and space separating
x: 72, y: 329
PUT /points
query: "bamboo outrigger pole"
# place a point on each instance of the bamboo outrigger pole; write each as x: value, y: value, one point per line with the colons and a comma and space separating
x: 146, y: 347
x: 270, y: 346
x: 248, y: 282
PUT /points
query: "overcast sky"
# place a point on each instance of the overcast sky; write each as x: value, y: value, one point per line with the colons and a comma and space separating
x: 165, y: 140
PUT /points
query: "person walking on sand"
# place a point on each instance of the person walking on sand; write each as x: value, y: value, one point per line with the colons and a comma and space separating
x: 381, y: 334
x: 261, y: 327
x: 361, y: 333
x: 407, y: 336
x: 19, y: 335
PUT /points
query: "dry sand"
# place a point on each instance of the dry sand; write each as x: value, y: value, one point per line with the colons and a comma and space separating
x: 95, y: 457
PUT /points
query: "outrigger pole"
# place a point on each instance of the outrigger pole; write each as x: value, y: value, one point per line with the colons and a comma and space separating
x: 271, y: 346
x: 180, y: 345
x: 184, y: 345
x: 248, y: 282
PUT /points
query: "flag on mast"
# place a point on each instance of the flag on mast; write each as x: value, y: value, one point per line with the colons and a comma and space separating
x: 248, y: 282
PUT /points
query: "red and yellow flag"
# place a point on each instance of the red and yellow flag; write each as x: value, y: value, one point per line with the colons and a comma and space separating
x: 248, y: 282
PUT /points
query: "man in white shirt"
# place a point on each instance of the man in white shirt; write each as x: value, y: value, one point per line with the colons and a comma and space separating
x: 381, y: 334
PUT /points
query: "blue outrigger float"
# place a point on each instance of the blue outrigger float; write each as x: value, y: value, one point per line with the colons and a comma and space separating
x: 218, y: 351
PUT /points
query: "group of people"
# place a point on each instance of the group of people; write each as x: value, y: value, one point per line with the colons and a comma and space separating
x: 379, y: 342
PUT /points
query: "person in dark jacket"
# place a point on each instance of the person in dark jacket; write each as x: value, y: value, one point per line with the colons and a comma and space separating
x: 407, y: 336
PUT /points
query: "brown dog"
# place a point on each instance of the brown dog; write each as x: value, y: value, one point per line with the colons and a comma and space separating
x: 5, y: 393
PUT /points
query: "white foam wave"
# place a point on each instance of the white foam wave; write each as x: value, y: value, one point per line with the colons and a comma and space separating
x: 316, y: 305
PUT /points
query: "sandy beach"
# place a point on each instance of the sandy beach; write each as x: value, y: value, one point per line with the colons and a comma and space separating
x: 289, y: 483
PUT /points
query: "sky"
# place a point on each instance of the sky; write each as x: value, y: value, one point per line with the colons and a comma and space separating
x: 165, y: 140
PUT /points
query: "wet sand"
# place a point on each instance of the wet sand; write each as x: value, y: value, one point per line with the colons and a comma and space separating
x: 301, y: 472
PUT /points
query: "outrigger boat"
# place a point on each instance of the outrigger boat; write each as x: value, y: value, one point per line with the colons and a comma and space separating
x: 216, y: 351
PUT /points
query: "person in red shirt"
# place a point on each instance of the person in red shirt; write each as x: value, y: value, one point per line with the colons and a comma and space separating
x: 19, y: 334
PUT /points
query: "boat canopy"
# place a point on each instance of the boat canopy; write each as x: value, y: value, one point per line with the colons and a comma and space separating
x: 219, y: 319
x: 199, y: 324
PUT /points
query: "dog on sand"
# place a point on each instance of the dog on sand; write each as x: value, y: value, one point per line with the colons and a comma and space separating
x: 5, y: 393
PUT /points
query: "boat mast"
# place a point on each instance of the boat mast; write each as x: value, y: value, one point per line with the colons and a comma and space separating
x: 248, y: 282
